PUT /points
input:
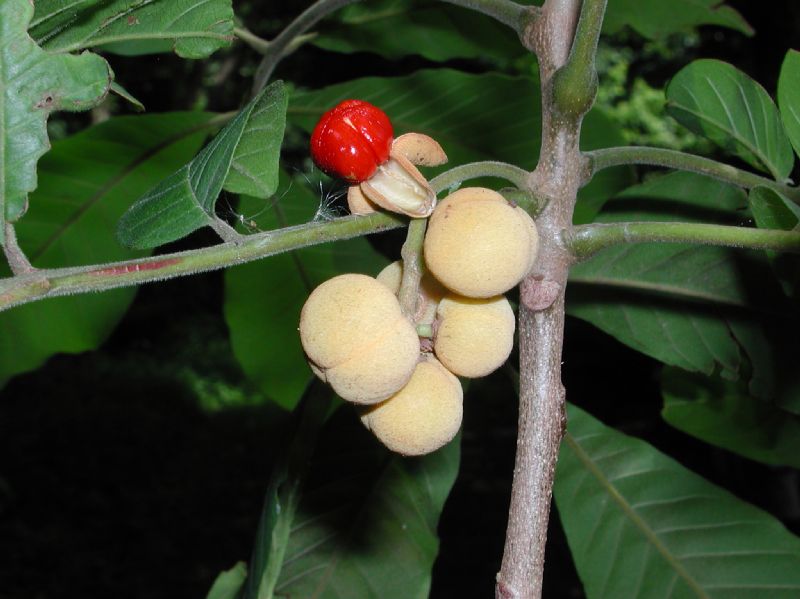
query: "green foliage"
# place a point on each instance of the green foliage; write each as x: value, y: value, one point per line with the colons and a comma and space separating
x: 657, y: 19
x: 435, y: 31
x: 243, y: 157
x: 714, y: 99
x: 263, y: 299
x: 641, y: 525
x: 228, y: 583
x: 366, y: 525
x: 789, y: 97
x: 724, y: 413
x: 191, y: 28
x: 87, y: 182
x: 34, y: 83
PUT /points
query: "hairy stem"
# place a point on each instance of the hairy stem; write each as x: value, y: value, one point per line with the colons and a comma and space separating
x: 587, y: 240
x: 66, y: 281
x: 100, y: 277
x: 278, y: 46
x: 413, y: 266
x: 17, y: 260
x: 609, y: 157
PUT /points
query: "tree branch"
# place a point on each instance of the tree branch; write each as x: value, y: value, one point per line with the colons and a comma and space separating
x: 259, y: 44
x: 100, y: 277
x: 609, y: 157
x: 587, y: 240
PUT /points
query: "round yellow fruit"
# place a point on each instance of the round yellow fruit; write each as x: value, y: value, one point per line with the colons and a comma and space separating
x: 474, y: 336
x: 423, y: 415
x: 357, y: 339
x: 478, y: 244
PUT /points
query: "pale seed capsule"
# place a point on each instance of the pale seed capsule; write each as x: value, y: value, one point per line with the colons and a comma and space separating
x: 357, y: 339
x: 478, y: 244
x: 474, y: 336
x: 421, y: 417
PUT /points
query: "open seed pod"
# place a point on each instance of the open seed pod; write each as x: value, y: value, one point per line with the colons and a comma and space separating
x: 398, y: 186
x: 419, y: 149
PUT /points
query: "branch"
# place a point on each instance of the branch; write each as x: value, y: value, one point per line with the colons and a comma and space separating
x: 609, y: 157
x: 100, y: 277
x: 507, y: 12
x: 67, y: 281
x: 455, y: 176
x: 587, y: 240
x: 278, y: 47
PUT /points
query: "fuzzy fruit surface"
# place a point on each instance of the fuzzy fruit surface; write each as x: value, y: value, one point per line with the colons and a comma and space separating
x: 351, y: 140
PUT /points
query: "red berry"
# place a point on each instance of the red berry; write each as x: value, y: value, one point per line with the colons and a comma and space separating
x: 351, y: 140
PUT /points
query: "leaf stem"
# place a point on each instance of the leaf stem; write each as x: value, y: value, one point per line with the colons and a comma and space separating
x: 279, y: 45
x: 259, y: 44
x: 587, y: 240
x: 609, y: 157
x: 413, y: 266
x: 17, y: 260
x: 227, y: 233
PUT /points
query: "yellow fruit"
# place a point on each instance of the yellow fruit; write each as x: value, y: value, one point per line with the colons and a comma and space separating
x: 474, y: 336
x: 478, y: 244
x: 357, y: 339
x: 423, y: 415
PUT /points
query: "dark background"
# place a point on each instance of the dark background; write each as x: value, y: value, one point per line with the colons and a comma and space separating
x: 115, y: 482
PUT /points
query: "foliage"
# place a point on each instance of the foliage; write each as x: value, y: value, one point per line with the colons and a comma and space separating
x: 342, y: 517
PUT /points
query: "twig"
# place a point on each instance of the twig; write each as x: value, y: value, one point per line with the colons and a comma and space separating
x: 413, y: 266
x: 17, y: 260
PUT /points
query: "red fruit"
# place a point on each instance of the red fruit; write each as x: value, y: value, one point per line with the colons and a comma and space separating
x: 351, y: 140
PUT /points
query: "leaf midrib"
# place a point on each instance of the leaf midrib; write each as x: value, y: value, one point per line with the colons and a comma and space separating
x: 637, y: 520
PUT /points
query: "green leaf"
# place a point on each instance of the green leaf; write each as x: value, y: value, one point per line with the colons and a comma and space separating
x: 772, y: 210
x: 34, y: 84
x: 228, y: 583
x: 366, y: 524
x: 656, y: 19
x: 435, y: 31
x: 243, y: 156
x: 86, y: 183
x: 723, y: 414
x: 284, y: 491
x: 789, y: 97
x: 474, y: 117
x: 192, y: 28
x: 640, y: 525
x: 263, y: 299
x: 715, y: 99
x: 671, y: 301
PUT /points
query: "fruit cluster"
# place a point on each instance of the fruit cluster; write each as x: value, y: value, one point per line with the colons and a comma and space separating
x: 357, y: 338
